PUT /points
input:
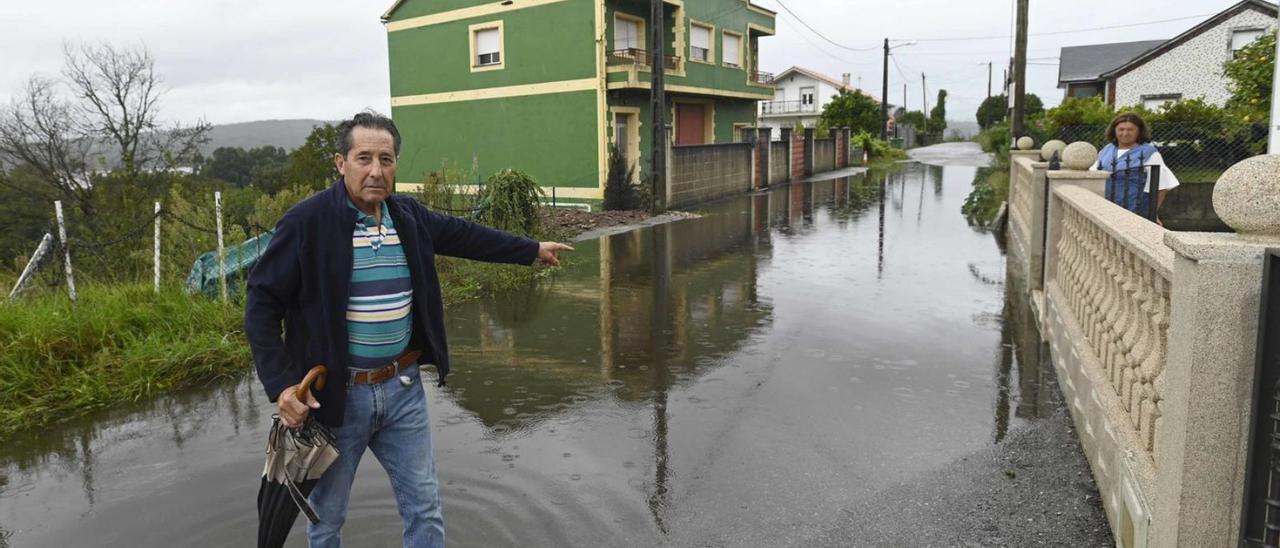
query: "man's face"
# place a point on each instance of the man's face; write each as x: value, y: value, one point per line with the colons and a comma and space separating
x: 369, y: 168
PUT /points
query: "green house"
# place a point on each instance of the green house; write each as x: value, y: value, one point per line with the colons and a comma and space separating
x: 546, y: 86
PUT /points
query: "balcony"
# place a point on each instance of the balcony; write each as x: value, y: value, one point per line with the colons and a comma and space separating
x: 787, y: 107
x: 639, y: 58
x: 762, y: 78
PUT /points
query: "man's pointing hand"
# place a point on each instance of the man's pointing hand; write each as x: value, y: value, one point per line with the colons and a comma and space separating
x: 547, y: 252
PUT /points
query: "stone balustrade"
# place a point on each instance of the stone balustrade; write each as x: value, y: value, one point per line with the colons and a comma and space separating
x: 1153, y: 336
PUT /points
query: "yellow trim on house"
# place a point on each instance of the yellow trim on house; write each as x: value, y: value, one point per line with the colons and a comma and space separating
x: 574, y: 192
x: 708, y: 114
x: 711, y: 39
x: 640, y: 29
x: 742, y: 62
x: 737, y: 126
x: 760, y: 10
x: 633, y: 136
x: 762, y: 29
x: 694, y: 90
x: 585, y: 84
x: 602, y: 99
x: 464, y: 13
x: 502, y: 52
x: 678, y: 33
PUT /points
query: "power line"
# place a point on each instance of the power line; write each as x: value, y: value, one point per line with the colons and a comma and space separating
x: 1071, y: 31
x: 820, y: 35
x: 819, y: 48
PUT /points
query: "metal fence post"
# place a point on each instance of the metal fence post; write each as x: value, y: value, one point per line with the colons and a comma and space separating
x: 1153, y: 194
x: 1260, y: 516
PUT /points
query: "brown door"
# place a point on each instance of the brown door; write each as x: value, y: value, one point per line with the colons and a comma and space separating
x: 690, y: 124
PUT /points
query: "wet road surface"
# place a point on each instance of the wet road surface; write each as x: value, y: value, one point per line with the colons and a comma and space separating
x: 773, y: 373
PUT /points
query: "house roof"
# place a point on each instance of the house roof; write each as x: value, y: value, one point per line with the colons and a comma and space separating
x: 1089, y: 63
x: 822, y: 77
x: 386, y: 16
x: 1258, y: 5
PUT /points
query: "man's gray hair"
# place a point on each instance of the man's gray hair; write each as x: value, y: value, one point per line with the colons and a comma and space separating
x: 370, y: 120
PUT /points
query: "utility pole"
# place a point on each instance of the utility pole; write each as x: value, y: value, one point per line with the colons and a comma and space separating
x: 924, y: 94
x: 1020, y: 72
x: 904, y: 96
x: 658, y: 103
x: 1273, y: 136
x: 988, y: 79
x: 884, y: 95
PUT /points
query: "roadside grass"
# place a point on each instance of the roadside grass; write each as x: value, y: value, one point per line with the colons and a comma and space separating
x: 118, y: 344
x: 125, y: 343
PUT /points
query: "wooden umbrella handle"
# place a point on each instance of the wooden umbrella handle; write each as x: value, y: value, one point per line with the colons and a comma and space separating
x: 315, y: 376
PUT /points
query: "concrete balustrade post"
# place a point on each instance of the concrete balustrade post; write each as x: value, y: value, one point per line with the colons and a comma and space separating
x: 1213, y: 345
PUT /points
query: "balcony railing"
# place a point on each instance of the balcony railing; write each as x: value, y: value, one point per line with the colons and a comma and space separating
x: 787, y: 107
x: 639, y: 58
x: 764, y: 78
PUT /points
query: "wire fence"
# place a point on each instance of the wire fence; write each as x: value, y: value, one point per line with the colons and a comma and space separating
x: 1196, y: 152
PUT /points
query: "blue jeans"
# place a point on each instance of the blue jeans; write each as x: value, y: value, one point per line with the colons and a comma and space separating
x: 390, y: 419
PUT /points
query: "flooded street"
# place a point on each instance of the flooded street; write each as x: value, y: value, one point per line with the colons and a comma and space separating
x: 751, y: 377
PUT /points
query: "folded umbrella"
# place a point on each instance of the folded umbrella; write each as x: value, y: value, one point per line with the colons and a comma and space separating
x: 296, y: 458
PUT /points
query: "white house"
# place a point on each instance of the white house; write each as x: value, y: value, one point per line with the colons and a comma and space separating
x: 1186, y: 66
x: 799, y: 95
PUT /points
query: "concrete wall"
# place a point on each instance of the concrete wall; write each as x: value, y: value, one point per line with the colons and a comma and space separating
x: 1189, y: 208
x: 705, y: 172
x: 824, y: 155
x: 779, y: 154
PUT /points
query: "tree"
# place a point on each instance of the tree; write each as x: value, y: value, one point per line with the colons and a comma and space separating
x: 111, y: 124
x: 938, y: 115
x: 853, y: 109
x: 992, y: 111
x: 311, y: 165
x: 914, y: 118
x: 1251, y: 73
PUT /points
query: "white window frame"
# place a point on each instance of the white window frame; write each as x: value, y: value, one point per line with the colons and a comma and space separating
x: 711, y: 43
x: 738, y: 50
x: 640, y: 30
x: 1155, y: 101
x: 813, y: 95
x: 1231, y: 40
x: 473, y: 35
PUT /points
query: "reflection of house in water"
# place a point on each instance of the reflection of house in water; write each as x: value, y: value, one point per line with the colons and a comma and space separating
x: 656, y: 307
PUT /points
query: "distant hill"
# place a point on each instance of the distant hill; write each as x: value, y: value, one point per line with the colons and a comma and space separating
x: 289, y: 134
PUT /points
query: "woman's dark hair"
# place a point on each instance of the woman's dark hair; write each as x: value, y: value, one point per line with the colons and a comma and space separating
x: 369, y: 120
x: 1144, y: 134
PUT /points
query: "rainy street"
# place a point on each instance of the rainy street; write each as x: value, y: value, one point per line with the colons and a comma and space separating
x: 839, y: 362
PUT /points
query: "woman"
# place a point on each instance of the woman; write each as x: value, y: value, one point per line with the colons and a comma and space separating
x: 1126, y: 155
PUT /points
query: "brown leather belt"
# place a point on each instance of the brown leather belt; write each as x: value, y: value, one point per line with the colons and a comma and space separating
x: 375, y: 376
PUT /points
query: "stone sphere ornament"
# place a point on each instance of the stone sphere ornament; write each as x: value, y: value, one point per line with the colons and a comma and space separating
x: 1047, y: 149
x: 1079, y: 156
x: 1026, y: 143
x: 1247, y: 196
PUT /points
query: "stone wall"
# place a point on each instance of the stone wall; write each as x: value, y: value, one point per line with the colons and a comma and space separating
x: 705, y: 172
x: 1189, y: 208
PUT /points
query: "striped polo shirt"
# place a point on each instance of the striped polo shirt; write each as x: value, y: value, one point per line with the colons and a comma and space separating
x: 380, y: 306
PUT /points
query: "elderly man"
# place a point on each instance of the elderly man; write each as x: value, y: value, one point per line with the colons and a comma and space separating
x: 351, y: 273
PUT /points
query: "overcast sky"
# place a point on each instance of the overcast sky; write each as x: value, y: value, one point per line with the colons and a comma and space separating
x: 241, y: 60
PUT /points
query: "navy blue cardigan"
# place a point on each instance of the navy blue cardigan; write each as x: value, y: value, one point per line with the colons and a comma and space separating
x: 304, y: 275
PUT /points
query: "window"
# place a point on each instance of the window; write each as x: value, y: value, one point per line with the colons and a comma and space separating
x: 486, y: 46
x: 1241, y: 38
x: 626, y: 33
x: 1154, y: 102
x: 806, y: 97
x: 700, y: 43
x: 732, y: 50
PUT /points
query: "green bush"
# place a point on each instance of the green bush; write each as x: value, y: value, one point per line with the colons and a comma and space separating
x: 510, y: 201
x: 619, y: 192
